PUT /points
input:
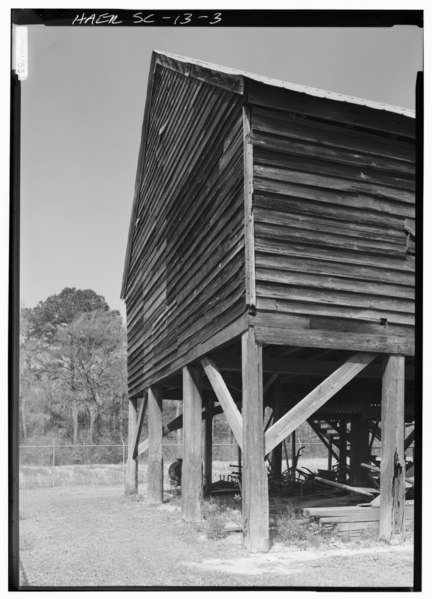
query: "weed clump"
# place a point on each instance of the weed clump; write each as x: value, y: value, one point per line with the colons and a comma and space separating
x: 215, y: 527
x: 288, y: 528
x: 217, y: 514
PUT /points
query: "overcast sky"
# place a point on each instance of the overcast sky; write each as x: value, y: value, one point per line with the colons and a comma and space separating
x: 82, y: 109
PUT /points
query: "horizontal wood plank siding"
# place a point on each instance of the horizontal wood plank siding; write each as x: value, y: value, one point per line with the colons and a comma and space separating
x: 332, y: 191
x: 186, y: 268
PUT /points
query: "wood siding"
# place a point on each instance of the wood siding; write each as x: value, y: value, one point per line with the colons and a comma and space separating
x: 186, y: 269
x: 332, y: 192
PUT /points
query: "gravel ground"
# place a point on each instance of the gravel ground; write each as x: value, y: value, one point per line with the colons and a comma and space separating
x: 95, y: 536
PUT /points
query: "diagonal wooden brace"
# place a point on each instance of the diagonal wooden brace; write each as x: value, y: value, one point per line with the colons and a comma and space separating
x: 139, y: 426
x: 315, y: 399
x: 142, y: 447
x: 225, y: 399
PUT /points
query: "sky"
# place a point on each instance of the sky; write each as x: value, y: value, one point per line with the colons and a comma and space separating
x: 82, y: 110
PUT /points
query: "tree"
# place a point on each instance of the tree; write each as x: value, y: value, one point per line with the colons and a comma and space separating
x: 61, y: 309
x: 90, y: 354
x: 73, y: 365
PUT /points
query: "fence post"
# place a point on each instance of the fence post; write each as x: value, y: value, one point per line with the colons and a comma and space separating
x: 53, y: 462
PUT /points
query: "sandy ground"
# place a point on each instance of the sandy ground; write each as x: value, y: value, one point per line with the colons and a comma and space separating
x: 94, y: 536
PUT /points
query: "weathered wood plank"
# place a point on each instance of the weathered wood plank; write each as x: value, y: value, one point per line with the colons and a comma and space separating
x: 274, y: 177
x: 354, y: 510
x: 315, y: 399
x: 290, y: 143
x: 191, y: 467
x: 331, y: 239
x: 336, y: 340
x: 316, y: 266
x: 379, y: 231
x: 225, y: 399
x: 131, y: 479
x: 392, y: 467
x: 334, y: 134
x: 254, y: 479
x: 280, y: 277
x: 155, y: 459
x: 367, y: 515
x: 357, y: 526
x: 317, y: 161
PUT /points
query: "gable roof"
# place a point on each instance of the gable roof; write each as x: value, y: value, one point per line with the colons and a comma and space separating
x: 232, y: 79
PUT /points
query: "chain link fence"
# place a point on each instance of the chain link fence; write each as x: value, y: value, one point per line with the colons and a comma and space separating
x: 55, y: 464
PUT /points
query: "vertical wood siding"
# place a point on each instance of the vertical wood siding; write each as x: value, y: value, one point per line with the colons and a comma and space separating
x: 186, y: 270
x: 330, y: 201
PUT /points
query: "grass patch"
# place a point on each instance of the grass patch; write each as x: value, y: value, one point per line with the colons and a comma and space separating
x: 218, y: 512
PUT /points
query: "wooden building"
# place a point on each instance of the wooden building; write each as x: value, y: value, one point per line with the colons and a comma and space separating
x: 270, y: 261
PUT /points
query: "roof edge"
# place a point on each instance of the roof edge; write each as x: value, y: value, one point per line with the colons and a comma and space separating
x: 142, y: 147
x: 304, y: 89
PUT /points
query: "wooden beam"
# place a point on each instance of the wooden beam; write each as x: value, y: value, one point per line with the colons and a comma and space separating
x: 208, y: 453
x: 139, y: 425
x: 362, y: 342
x: 254, y: 479
x: 315, y: 399
x: 392, y: 478
x: 409, y: 439
x: 276, y: 456
x: 298, y: 367
x: 142, y: 447
x: 131, y: 477
x: 191, y: 467
x: 155, y: 460
x: 360, y: 490
x: 225, y: 399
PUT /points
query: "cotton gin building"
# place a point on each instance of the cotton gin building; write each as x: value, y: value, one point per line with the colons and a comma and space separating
x: 270, y: 262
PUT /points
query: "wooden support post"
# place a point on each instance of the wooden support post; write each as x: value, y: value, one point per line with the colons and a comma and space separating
x: 192, y: 468
x: 131, y: 478
x: 254, y: 480
x: 208, y: 456
x: 155, y: 459
x: 343, y: 451
x: 392, y: 479
x: 359, y: 451
x: 276, y: 455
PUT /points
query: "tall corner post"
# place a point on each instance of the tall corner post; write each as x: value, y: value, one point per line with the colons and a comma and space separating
x: 131, y: 477
x: 155, y: 458
x: 191, y: 482
x: 254, y: 476
x: 392, y: 485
